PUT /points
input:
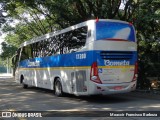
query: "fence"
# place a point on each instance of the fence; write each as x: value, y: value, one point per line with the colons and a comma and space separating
x: 5, y: 69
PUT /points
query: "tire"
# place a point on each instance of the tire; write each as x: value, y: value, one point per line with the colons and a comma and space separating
x: 25, y: 86
x: 58, y: 88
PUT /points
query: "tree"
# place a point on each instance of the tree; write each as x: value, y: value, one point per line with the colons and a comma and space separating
x: 38, y: 17
x: 8, y: 50
x: 2, y: 16
x: 147, y: 23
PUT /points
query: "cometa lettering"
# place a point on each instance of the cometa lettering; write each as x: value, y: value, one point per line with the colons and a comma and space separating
x: 33, y: 64
x: 116, y: 63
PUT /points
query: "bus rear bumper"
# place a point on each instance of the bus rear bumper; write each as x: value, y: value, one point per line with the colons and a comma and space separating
x: 106, y: 89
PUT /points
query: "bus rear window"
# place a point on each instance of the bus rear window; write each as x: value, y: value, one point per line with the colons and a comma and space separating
x: 114, y: 30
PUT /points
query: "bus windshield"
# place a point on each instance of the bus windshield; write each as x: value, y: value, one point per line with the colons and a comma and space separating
x: 114, y: 30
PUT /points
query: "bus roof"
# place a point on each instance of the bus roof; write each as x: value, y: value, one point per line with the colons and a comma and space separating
x: 51, y: 34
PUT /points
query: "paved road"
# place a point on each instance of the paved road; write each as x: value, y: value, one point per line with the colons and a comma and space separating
x: 14, y: 98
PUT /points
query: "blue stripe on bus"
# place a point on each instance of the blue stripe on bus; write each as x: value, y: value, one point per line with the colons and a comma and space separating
x: 73, y: 59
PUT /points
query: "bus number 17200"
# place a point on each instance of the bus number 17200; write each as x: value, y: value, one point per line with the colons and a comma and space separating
x: 81, y: 56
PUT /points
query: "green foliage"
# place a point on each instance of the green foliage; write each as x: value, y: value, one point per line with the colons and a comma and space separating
x: 147, y: 23
x: 148, y: 31
x: 8, y: 50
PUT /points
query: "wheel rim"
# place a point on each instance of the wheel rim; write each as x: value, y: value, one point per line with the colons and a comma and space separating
x: 58, y: 88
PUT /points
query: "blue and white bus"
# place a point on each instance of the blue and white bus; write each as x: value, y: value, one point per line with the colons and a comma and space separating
x: 90, y: 58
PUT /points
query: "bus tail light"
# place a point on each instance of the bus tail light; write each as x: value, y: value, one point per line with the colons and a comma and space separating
x: 135, y: 72
x: 94, y: 73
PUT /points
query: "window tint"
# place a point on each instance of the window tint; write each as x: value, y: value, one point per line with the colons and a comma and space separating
x: 89, y: 33
x: 24, y: 54
x: 114, y: 30
x: 60, y: 44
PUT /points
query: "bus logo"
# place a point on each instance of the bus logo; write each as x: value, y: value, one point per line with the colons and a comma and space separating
x: 34, y: 64
x: 116, y: 63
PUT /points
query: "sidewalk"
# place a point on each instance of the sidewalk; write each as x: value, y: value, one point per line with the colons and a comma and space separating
x: 6, y: 75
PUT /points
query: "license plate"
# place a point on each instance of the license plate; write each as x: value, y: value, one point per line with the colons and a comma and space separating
x: 118, y: 88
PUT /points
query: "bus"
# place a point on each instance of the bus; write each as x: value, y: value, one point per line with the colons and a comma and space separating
x: 95, y: 57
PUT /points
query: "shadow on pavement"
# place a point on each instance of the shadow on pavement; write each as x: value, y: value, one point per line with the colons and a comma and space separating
x: 100, y: 99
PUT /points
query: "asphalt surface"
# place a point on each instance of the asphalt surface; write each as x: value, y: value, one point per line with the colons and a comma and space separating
x: 14, y: 98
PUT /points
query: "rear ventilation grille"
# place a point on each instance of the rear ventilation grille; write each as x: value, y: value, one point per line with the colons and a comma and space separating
x: 114, y: 55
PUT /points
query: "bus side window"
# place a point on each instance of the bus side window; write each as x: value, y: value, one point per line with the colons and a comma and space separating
x: 89, y: 33
x: 77, y: 39
x: 26, y: 53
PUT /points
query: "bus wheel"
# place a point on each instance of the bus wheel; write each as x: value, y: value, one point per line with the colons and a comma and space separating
x: 23, y: 84
x: 58, y: 88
